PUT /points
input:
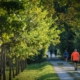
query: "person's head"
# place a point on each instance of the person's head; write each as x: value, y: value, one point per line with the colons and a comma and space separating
x: 65, y: 50
x: 75, y: 49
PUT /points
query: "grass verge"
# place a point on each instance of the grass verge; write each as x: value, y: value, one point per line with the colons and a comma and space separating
x: 42, y: 71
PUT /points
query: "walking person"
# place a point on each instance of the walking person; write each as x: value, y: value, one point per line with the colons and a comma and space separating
x: 75, y: 58
x: 55, y: 52
x: 66, y: 55
x: 51, y: 52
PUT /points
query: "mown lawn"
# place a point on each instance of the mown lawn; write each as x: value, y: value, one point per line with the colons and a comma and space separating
x: 41, y: 71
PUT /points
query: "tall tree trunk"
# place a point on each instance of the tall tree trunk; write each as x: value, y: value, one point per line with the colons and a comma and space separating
x: 0, y: 74
x: 10, y: 63
x: 17, y: 65
x: 25, y: 62
x: 13, y: 70
x: 4, y: 63
x: 13, y: 67
x: 0, y: 65
x: 22, y: 65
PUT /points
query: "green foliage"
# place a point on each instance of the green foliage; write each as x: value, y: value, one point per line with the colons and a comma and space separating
x: 66, y: 38
x: 11, y: 6
x: 67, y: 21
x: 26, y: 26
x: 31, y: 23
x: 77, y: 39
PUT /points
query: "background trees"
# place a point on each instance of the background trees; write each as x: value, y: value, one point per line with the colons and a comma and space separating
x: 66, y: 12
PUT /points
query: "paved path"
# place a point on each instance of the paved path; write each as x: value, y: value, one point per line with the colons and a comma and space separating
x: 64, y: 70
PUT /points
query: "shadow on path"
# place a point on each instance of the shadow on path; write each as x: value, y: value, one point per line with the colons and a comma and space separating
x: 64, y: 70
x: 61, y: 68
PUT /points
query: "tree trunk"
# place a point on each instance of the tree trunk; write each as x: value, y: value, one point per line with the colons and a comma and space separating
x: 10, y: 63
x: 4, y: 63
x: 25, y: 62
x: 22, y: 65
x: 17, y: 66
x: 13, y: 69
x: 0, y: 65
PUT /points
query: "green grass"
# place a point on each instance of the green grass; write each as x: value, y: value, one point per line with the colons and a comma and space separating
x: 42, y: 71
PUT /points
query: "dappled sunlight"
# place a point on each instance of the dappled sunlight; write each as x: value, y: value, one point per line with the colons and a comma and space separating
x: 65, y: 70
